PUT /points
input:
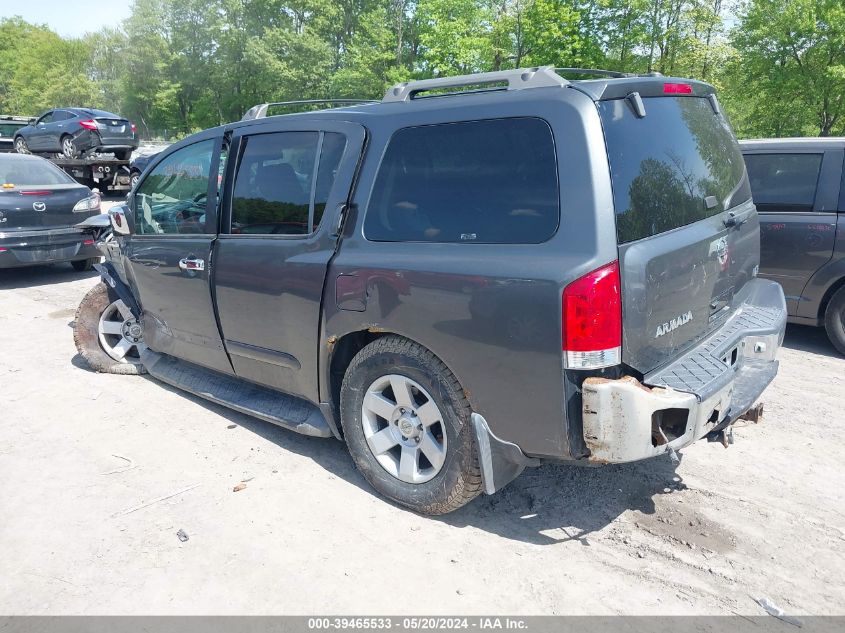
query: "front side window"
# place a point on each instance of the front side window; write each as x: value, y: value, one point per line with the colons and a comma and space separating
x: 275, y: 192
x: 172, y: 198
x: 784, y: 181
x: 491, y: 181
x: 47, y: 118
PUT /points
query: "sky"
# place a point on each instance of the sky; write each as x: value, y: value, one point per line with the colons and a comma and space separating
x: 69, y: 18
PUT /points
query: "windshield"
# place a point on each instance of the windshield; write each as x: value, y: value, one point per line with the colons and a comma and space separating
x: 18, y: 171
x: 666, y: 166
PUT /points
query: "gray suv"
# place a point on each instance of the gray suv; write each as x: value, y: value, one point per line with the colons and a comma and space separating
x: 475, y: 275
x: 798, y: 186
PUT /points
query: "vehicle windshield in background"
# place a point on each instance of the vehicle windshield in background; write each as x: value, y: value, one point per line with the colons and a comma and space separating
x: 31, y: 171
x: 665, y: 164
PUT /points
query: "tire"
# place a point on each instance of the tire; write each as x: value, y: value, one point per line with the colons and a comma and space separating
x: 88, y: 339
x: 68, y: 148
x: 123, y: 154
x: 440, y: 488
x: 84, y: 265
x: 21, y: 146
x: 134, y: 178
x: 834, y: 320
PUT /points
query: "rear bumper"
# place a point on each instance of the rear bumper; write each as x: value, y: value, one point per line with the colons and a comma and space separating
x: 710, y: 386
x: 48, y: 246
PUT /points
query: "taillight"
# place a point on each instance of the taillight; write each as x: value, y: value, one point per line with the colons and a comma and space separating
x: 88, y: 242
x: 592, y: 320
x: 89, y: 124
x: 35, y: 193
x: 134, y: 129
x: 677, y: 89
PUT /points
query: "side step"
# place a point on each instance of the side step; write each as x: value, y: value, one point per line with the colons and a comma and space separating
x: 260, y: 402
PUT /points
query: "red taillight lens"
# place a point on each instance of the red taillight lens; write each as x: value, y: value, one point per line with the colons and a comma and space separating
x: 592, y: 319
x: 677, y: 89
x: 89, y: 124
x: 88, y: 242
x: 134, y: 129
x: 35, y: 193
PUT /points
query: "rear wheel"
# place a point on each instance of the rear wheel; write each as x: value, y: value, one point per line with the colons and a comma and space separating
x: 107, y: 335
x: 84, y: 265
x: 834, y: 320
x: 406, y: 421
x: 20, y: 145
x: 122, y: 154
x: 68, y: 148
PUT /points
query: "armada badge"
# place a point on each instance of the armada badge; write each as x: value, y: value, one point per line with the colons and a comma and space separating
x: 674, y: 324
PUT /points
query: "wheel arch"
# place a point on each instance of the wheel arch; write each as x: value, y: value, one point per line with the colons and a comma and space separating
x: 828, y: 295
x: 343, y: 348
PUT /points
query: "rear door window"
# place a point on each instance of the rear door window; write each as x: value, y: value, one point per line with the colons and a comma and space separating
x: 785, y: 182
x: 492, y: 181
x: 665, y: 165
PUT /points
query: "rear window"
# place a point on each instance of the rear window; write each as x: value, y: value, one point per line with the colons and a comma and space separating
x: 29, y: 171
x: 664, y: 165
x: 492, y: 181
x: 784, y: 181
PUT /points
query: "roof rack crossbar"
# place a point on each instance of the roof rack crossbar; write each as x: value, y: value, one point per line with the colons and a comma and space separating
x: 260, y: 111
x: 517, y: 79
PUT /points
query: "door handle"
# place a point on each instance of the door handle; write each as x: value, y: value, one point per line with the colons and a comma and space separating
x: 191, y: 264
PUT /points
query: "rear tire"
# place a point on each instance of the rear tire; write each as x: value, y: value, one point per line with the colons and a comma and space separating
x: 834, y: 320
x: 84, y: 265
x: 68, y: 148
x: 21, y: 146
x: 87, y: 335
x: 435, y: 421
x: 123, y: 154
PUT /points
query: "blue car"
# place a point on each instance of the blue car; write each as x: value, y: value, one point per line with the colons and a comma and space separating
x: 75, y: 132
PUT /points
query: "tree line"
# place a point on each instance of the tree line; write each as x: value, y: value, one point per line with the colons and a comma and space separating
x: 176, y: 66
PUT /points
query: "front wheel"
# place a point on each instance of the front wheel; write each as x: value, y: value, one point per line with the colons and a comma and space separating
x: 834, y: 320
x: 406, y: 421
x: 20, y: 145
x: 107, y: 335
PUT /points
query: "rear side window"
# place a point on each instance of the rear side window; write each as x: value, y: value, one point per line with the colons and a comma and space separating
x: 492, y: 181
x: 663, y: 166
x: 784, y: 181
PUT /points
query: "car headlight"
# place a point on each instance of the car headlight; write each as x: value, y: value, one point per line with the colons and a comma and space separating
x: 91, y: 203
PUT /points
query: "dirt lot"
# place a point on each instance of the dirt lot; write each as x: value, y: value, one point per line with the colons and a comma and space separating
x: 763, y: 518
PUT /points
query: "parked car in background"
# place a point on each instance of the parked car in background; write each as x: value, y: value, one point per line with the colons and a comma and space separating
x: 39, y: 206
x: 78, y: 131
x: 9, y: 126
x: 457, y: 285
x: 798, y: 186
x: 138, y: 165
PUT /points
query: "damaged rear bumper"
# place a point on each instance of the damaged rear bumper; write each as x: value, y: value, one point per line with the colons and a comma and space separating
x: 708, y: 387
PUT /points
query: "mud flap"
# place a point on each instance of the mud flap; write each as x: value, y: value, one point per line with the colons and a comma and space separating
x: 501, y: 462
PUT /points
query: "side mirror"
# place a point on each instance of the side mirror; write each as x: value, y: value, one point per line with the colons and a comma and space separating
x: 118, y: 215
x: 32, y: 120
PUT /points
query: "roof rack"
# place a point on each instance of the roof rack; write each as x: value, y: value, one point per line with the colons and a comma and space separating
x: 260, y: 111
x: 517, y: 79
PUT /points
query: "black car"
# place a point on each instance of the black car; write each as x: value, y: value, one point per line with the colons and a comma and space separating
x: 78, y: 131
x: 798, y: 185
x: 9, y: 126
x: 457, y: 285
x: 39, y: 206
x: 138, y: 165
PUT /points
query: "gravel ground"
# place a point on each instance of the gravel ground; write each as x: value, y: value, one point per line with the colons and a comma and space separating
x: 306, y: 535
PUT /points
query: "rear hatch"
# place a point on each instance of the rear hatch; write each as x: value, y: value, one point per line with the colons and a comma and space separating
x: 115, y: 131
x: 42, y: 207
x: 687, y: 230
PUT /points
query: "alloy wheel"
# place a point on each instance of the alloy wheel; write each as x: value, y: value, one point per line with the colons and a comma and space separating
x: 404, y: 429
x: 121, y: 335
